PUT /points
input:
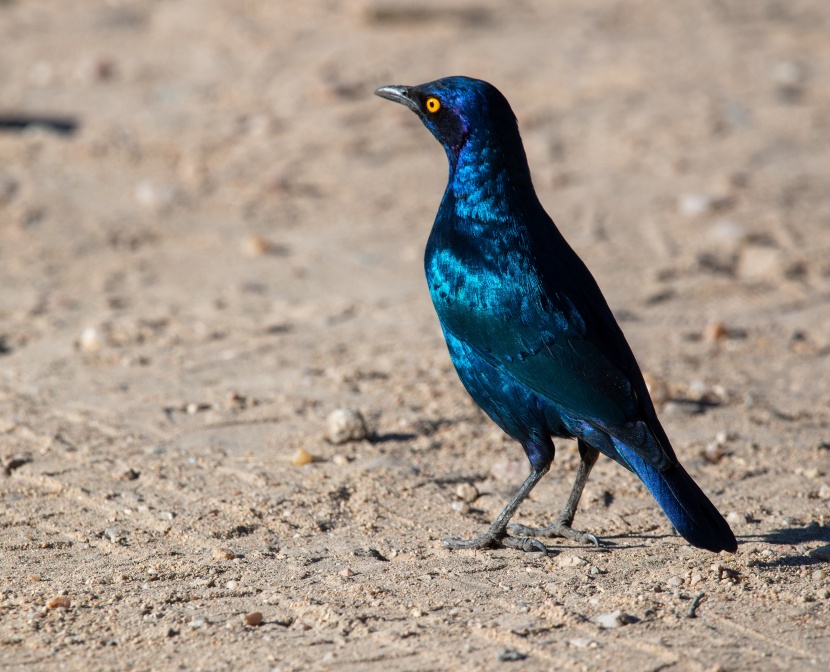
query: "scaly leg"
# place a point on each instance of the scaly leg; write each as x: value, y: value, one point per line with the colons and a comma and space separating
x: 497, y: 534
x: 561, y: 527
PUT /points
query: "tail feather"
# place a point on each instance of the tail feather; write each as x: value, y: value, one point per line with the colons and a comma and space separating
x: 689, y: 510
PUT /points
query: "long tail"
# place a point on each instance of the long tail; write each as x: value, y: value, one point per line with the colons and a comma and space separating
x: 683, y: 502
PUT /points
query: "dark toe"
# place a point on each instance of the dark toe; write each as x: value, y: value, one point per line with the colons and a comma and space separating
x: 525, y: 544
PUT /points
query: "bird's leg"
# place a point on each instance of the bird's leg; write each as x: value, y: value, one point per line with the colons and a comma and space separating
x: 497, y: 534
x: 561, y: 527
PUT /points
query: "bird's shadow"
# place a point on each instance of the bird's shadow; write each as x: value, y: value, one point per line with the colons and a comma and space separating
x: 422, y: 428
x: 469, y: 478
x: 797, y: 535
x: 625, y: 542
x: 784, y: 536
x: 696, y: 406
x: 790, y: 536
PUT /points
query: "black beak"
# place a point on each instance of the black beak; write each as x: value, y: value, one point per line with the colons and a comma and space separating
x: 398, y: 94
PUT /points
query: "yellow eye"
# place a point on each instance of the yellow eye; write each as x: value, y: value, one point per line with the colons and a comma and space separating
x: 433, y: 104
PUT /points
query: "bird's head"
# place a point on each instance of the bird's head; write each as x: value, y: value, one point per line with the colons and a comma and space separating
x: 456, y: 108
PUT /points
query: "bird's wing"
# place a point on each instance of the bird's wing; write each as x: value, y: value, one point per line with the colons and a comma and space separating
x: 551, y: 349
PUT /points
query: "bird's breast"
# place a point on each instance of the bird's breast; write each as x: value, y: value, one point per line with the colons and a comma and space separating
x: 473, y: 285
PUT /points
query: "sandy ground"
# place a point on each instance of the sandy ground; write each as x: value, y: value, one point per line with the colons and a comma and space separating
x: 228, y: 248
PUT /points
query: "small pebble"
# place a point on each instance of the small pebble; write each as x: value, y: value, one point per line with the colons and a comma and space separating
x: 615, y: 619
x: 713, y: 453
x: 675, y: 582
x: 94, y: 69
x: 346, y: 572
x: 567, y: 560
x: 790, y: 78
x: 223, y: 553
x: 511, y: 654
x: 115, y: 534
x: 657, y: 389
x: 340, y: 460
x: 344, y: 425
x: 735, y: 518
x: 256, y: 246
x: 715, y: 331
x: 692, y: 205
x: 789, y: 73
x: 302, y: 457
x: 253, y: 619
x: 582, y: 643
x: 90, y: 340
x: 59, y: 602
x: 819, y: 575
x: 14, y: 461
x: 466, y: 492
x: 128, y: 474
x: 727, y: 234
x: 696, y: 579
x: 461, y: 507
x: 154, y: 196
x: 698, y: 389
x: 820, y: 553
x: 758, y: 263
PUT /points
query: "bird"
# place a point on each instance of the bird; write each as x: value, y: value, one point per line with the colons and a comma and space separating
x: 528, y: 330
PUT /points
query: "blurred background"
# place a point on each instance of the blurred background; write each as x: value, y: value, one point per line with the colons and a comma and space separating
x: 211, y: 236
x: 172, y: 171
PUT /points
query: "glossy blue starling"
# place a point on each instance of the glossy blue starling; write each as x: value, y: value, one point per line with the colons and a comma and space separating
x: 528, y: 329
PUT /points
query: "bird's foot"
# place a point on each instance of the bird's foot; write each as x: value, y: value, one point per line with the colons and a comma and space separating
x: 489, y: 540
x: 560, y: 528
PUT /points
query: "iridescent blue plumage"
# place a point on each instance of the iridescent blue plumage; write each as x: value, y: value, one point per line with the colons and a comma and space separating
x: 527, y: 328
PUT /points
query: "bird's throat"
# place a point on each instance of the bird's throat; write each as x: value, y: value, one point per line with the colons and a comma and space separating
x: 488, y: 183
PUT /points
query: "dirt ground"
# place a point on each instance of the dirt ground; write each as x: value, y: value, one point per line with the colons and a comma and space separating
x: 227, y: 248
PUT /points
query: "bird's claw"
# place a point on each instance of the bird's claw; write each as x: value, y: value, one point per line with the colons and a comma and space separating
x: 557, y: 529
x: 525, y: 544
